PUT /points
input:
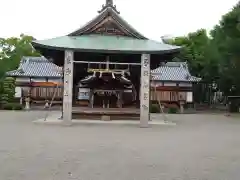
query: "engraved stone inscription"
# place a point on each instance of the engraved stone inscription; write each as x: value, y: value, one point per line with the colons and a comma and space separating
x: 65, y: 93
x: 67, y: 71
x: 145, y: 62
x: 145, y: 107
x: 68, y: 85
x: 145, y: 73
x: 145, y: 84
x: 68, y: 57
x: 145, y: 96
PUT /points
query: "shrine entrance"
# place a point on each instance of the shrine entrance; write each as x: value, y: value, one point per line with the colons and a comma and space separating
x: 109, y: 88
x: 106, y: 99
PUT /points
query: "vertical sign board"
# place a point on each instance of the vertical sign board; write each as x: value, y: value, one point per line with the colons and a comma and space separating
x: 68, y: 86
x: 145, y: 91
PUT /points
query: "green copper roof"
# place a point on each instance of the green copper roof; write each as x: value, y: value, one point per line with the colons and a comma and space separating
x: 106, y: 43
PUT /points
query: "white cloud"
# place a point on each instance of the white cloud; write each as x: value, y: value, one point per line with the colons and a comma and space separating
x: 153, y: 18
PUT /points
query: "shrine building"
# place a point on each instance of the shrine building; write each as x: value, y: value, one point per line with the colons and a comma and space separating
x: 111, y: 59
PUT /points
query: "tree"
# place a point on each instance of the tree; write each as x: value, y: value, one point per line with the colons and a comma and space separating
x: 198, y: 51
x: 217, y: 57
x: 8, y: 90
x: 11, y: 51
x: 226, y: 38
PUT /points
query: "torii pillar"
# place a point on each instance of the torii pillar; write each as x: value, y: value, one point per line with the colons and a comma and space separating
x: 68, y: 87
x: 145, y: 91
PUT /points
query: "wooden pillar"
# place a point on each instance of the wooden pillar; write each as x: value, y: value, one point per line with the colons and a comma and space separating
x: 68, y: 87
x: 145, y: 85
x: 120, y: 101
x: 121, y: 98
x: 21, y: 98
x: 107, y: 63
x: 91, y: 98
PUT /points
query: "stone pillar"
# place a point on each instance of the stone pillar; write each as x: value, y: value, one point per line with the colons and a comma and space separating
x: 27, y: 103
x: 28, y: 99
x: 182, y: 106
x: 145, y: 85
x: 68, y: 87
x: 21, y: 101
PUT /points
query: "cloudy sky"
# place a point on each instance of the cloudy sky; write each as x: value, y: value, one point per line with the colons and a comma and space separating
x: 154, y: 18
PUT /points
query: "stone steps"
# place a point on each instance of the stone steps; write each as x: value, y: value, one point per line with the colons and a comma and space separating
x: 106, y: 117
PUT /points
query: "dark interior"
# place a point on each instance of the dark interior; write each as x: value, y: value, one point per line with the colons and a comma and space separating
x: 80, y: 70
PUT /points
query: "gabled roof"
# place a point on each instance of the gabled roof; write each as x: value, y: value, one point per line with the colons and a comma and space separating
x: 107, y: 33
x: 108, y: 18
x: 36, y: 67
x: 173, y: 71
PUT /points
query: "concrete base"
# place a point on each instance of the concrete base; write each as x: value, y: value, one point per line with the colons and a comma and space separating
x: 106, y: 118
x: 54, y: 120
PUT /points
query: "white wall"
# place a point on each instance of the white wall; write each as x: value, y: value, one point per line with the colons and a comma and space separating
x: 156, y: 84
x: 55, y: 80
x: 22, y: 79
x: 185, y: 84
x: 189, y: 97
x: 170, y: 84
x: 18, y: 92
x: 38, y: 79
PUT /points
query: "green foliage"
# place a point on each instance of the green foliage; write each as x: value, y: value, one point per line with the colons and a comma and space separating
x: 8, y: 90
x: 1, y: 88
x: 233, y: 104
x: 172, y: 110
x: 226, y: 38
x: 215, y: 58
x: 12, y: 106
x: 197, y: 49
x: 154, y: 108
x: 12, y: 50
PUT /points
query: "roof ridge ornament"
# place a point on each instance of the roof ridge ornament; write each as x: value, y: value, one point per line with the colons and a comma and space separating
x: 109, y: 4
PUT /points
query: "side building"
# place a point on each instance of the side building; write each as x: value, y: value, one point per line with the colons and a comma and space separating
x: 37, y: 78
x: 172, y: 83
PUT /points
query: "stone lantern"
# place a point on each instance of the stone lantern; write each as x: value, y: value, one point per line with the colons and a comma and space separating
x: 181, y: 102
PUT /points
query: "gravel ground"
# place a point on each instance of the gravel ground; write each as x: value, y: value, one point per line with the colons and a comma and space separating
x: 199, y: 147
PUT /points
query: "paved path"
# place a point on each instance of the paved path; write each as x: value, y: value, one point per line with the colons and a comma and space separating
x: 199, y: 147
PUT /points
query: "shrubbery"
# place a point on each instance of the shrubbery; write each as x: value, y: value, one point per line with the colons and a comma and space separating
x: 7, y: 90
x: 12, y: 106
x: 172, y: 110
x: 154, y: 108
x: 7, y: 94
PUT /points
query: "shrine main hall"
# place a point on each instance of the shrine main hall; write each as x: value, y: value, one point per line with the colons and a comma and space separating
x: 108, y: 56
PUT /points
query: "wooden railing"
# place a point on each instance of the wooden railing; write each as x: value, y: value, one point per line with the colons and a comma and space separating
x: 168, y: 96
x: 44, y: 93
